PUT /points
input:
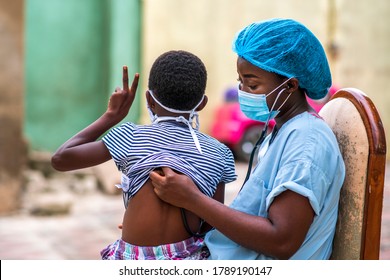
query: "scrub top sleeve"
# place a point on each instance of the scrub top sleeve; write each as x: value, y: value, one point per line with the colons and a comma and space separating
x: 304, y: 178
x: 297, y: 189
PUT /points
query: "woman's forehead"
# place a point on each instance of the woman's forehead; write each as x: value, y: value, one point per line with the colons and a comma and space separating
x: 248, y: 70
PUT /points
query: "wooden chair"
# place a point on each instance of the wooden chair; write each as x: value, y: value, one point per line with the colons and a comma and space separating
x: 361, y: 137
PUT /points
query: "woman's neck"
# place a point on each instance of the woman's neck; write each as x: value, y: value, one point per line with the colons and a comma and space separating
x: 295, y: 106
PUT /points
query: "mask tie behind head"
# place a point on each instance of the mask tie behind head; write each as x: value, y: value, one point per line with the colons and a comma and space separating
x: 193, y: 116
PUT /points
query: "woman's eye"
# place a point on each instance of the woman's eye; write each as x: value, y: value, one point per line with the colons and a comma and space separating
x: 244, y: 84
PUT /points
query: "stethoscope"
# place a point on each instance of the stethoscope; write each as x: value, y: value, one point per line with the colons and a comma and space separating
x: 258, y: 143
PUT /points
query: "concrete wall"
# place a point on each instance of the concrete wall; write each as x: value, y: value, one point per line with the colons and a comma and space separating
x: 12, y: 146
x: 207, y: 29
x: 362, y: 35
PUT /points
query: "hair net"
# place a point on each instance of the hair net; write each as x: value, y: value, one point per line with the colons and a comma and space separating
x: 288, y: 48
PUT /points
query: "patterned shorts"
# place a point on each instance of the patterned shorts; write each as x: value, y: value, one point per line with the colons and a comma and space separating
x: 189, y: 249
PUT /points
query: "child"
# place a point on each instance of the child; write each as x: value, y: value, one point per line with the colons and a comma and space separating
x: 153, y: 229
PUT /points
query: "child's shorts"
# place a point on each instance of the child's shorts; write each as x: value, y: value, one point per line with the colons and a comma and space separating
x: 190, y: 249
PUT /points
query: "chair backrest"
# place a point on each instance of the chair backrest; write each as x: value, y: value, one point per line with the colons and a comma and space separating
x: 359, y: 131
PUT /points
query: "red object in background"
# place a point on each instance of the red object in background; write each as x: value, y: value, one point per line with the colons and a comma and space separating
x: 240, y: 133
x: 318, y: 104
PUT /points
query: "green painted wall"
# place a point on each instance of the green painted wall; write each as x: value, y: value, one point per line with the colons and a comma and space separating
x: 125, y: 42
x: 72, y: 61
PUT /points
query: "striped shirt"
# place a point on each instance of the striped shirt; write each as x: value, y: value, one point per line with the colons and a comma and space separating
x: 138, y: 149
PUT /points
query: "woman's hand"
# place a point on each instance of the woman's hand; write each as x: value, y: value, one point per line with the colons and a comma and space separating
x: 174, y: 188
x: 121, y: 99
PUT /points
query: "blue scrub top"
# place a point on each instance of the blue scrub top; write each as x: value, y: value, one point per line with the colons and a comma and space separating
x: 304, y: 157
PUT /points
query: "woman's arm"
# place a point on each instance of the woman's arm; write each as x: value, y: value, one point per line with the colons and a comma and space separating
x: 82, y: 150
x: 280, y: 235
x: 219, y: 196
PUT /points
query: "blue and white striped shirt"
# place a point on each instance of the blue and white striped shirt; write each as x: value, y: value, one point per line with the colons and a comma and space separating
x: 138, y: 149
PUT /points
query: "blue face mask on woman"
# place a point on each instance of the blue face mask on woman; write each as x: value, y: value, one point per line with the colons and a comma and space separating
x: 255, y: 107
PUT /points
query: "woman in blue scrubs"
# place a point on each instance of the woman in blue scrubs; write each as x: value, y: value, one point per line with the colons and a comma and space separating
x: 287, y: 207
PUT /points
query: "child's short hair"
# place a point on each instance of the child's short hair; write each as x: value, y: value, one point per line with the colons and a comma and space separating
x: 178, y: 79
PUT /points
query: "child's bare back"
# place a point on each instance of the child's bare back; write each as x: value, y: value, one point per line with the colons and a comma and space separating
x: 149, y: 221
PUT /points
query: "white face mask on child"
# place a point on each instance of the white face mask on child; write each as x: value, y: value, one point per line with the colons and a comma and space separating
x: 154, y: 118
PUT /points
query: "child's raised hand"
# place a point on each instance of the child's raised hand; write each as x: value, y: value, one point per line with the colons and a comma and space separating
x: 121, y: 99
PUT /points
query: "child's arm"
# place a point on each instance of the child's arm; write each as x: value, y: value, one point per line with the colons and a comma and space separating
x: 82, y: 150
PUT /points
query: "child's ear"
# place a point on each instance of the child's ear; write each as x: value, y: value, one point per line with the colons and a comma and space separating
x: 203, y: 104
x: 149, y: 100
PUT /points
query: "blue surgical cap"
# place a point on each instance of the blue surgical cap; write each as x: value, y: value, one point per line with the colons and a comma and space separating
x: 288, y: 48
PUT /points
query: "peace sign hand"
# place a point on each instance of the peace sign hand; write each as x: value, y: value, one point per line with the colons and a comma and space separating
x: 121, y: 99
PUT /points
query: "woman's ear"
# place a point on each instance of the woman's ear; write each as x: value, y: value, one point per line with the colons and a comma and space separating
x: 202, y: 104
x: 292, y: 85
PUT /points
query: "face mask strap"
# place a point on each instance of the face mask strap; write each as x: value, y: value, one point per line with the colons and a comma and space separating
x: 278, y: 86
x: 277, y: 97
x: 191, y: 112
x: 284, y: 101
x: 152, y: 116
x: 193, y: 115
